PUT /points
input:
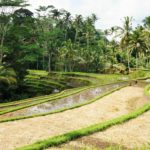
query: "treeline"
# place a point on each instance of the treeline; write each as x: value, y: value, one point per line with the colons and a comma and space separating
x: 52, y: 39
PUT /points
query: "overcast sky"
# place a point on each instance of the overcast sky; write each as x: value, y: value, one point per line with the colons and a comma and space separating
x: 109, y: 12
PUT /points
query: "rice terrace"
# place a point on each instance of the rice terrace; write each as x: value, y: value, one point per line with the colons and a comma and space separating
x: 74, y: 76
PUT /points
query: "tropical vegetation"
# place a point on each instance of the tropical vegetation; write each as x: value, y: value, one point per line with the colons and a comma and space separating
x: 52, y: 39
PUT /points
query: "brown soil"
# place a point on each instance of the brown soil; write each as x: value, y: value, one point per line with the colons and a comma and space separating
x: 24, y: 132
x: 88, y: 143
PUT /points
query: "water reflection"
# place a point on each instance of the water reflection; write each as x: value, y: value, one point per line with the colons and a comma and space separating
x: 67, y: 101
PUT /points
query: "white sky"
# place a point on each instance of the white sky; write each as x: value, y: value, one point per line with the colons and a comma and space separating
x: 109, y: 12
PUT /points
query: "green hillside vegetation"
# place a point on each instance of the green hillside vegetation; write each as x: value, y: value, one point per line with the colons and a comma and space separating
x: 55, y: 41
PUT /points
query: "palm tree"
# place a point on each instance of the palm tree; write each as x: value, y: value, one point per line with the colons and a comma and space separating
x: 66, y: 22
x: 123, y: 33
x: 146, y: 36
x: 90, y: 29
x: 137, y: 44
x: 146, y: 31
x: 56, y: 14
x: 147, y: 22
x: 78, y: 24
x: 67, y: 55
x: 45, y: 23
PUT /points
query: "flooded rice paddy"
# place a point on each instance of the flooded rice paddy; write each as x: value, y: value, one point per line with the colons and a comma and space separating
x: 69, y: 101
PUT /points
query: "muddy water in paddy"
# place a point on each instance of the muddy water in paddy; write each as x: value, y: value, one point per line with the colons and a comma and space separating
x: 64, y: 102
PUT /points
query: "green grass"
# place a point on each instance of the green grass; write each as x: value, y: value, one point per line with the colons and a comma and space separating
x: 147, y: 90
x: 11, y: 107
x: 32, y: 80
x: 44, y: 82
x: 46, y: 99
x: 99, y: 79
x: 29, y: 99
x: 64, y: 109
x: 43, y: 97
x: 60, y: 139
x: 53, y: 79
x: 66, y: 94
x: 38, y: 72
x: 38, y: 98
x: 143, y: 147
x: 103, y: 78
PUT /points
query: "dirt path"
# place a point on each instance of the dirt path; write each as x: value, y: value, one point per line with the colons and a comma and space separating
x: 133, y: 134
x: 24, y: 132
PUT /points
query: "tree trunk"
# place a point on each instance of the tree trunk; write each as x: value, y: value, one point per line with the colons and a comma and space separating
x: 4, y: 31
x: 70, y: 67
x: 76, y: 35
x: 128, y: 53
x: 1, y: 49
x: 136, y: 62
x: 65, y: 69
x: 37, y: 65
x: 1, y: 55
x: 88, y: 42
x: 49, y: 62
x: 65, y: 35
x: 43, y: 62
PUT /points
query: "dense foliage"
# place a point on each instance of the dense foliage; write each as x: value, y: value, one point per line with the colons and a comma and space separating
x: 52, y: 39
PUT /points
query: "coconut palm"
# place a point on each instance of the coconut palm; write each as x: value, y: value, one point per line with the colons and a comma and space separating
x: 77, y: 24
x: 147, y: 22
x: 66, y: 22
x: 123, y: 33
x: 146, y: 31
x: 146, y: 37
x: 137, y: 44
x: 90, y: 29
x: 67, y: 55
x: 56, y: 14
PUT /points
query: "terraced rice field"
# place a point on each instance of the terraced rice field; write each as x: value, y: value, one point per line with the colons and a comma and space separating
x: 62, y: 103
x: 134, y: 134
x: 28, y: 121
